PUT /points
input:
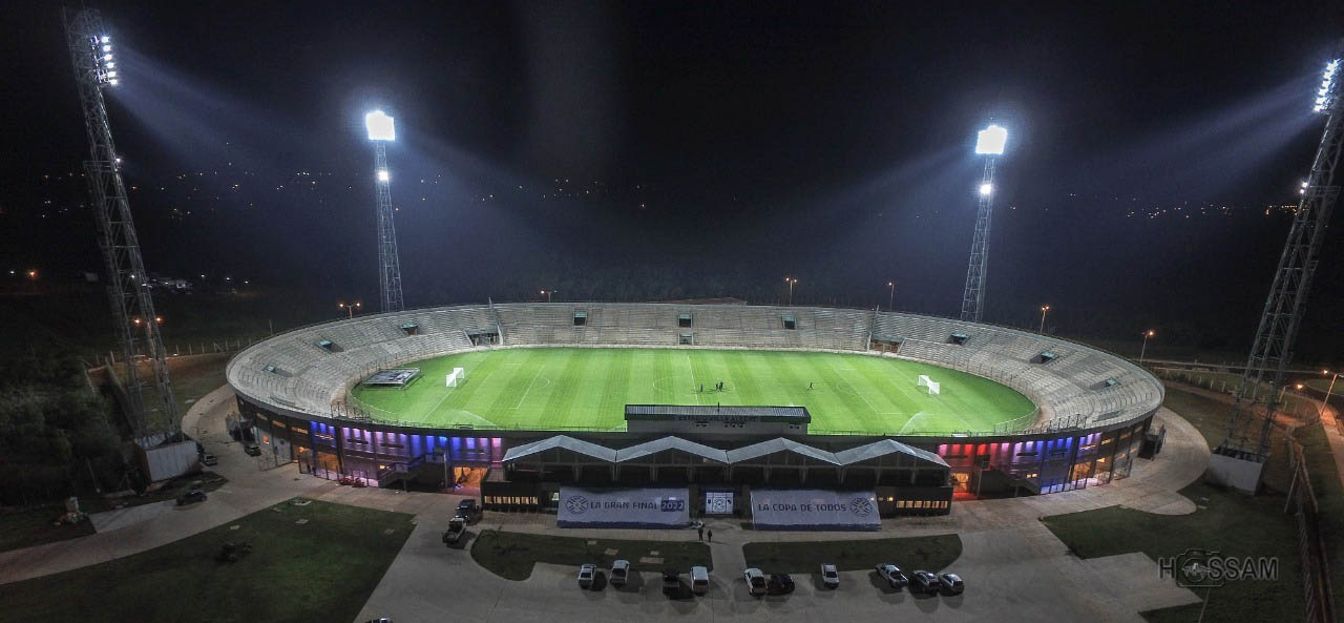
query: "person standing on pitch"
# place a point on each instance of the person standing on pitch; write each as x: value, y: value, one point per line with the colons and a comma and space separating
x: 700, y: 533
x: 710, y: 535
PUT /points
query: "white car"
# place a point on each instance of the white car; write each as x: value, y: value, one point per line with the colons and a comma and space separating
x: 620, y: 572
x: 586, y: 574
x: 755, y: 581
x: 892, y: 574
x: 830, y: 576
x: 699, y: 580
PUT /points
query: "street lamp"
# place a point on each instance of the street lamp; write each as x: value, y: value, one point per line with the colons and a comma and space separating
x: 350, y: 308
x: 1146, y: 334
x: 1045, y: 309
x: 792, y: 282
x: 548, y: 293
x: 891, y: 295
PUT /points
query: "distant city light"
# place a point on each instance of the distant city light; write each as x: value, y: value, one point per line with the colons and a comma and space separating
x: 383, y: 175
x: 380, y: 126
x: 991, y: 140
x: 986, y: 189
x: 1325, y: 96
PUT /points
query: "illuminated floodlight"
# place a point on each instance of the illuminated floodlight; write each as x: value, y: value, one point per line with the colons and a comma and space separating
x: 383, y: 175
x: 986, y: 189
x: 111, y: 74
x: 105, y: 39
x: 111, y: 64
x: 107, y: 48
x: 114, y: 82
x: 991, y: 140
x: 107, y: 57
x: 380, y: 126
x: 1325, y: 95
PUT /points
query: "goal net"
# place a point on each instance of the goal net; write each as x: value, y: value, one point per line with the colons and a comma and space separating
x: 935, y: 388
x: 457, y: 377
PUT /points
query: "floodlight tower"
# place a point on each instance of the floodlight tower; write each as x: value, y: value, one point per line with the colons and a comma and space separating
x: 381, y: 132
x: 1271, y: 352
x: 132, y: 307
x: 989, y: 143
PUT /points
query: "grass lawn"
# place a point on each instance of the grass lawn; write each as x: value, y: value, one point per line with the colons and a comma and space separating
x: 1227, y: 522
x: 322, y: 569
x: 31, y: 527
x: 560, y: 388
x: 511, y: 555
x: 931, y: 553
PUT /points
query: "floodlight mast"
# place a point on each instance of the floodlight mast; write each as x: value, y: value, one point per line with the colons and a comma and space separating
x: 1271, y: 351
x: 128, y: 287
x: 381, y: 132
x: 989, y: 143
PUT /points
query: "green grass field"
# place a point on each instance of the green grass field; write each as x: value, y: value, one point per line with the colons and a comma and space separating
x: 588, y: 388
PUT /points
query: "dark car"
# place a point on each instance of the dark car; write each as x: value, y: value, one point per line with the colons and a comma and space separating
x: 671, y: 582
x: 253, y: 449
x: 780, y: 584
x: 191, y: 497
x: 952, y: 583
x: 469, y: 509
x: 924, y: 582
x: 209, y: 459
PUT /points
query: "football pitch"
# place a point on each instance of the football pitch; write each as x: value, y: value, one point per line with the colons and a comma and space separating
x: 588, y: 388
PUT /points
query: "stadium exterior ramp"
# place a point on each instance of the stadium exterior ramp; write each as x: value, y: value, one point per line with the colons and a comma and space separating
x: 1094, y: 408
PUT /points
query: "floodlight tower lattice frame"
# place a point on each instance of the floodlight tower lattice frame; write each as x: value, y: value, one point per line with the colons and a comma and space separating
x: 973, y: 299
x: 128, y: 285
x: 977, y: 272
x: 1271, y: 350
x: 389, y: 262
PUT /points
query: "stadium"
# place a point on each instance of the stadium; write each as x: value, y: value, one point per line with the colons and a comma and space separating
x: 521, y: 399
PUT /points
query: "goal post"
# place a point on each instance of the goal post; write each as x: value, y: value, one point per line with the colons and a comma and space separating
x: 935, y: 388
x: 457, y: 377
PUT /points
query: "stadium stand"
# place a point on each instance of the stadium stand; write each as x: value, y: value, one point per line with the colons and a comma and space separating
x: 1082, y: 383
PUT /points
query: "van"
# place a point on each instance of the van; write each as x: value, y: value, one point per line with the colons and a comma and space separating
x: 699, y: 580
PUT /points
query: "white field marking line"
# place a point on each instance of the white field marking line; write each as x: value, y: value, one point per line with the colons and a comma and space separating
x: 446, y: 394
x: 529, y: 388
x: 691, y: 366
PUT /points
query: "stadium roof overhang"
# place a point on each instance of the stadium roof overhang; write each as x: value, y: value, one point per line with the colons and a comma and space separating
x: 887, y: 447
x: 561, y: 442
x: 656, y: 446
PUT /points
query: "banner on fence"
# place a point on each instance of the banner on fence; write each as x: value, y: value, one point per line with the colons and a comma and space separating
x: 623, y: 508
x: 814, y: 509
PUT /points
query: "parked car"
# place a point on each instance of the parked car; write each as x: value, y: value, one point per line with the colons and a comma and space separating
x: 587, y: 573
x: 922, y: 581
x: 469, y: 509
x: 756, y: 584
x: 209, y: 459
x: 620, y: 572
x: 457, y: 527
x: 892, y: 574
x: 952, y: 583
x: 780, y: 584
x: 699, y: 580
x: 252, y: 449
x: 830, y: 576
x: 671, y: 581
x: 191, y: 497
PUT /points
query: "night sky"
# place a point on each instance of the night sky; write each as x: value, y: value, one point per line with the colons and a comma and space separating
x: 645, y: 151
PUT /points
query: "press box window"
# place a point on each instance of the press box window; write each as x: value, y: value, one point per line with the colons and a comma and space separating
x: 790, y: 322
x: 684, y: 321
x: 580, y: 318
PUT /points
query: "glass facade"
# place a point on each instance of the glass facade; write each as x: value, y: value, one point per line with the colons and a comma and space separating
x: 1045, y: 465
